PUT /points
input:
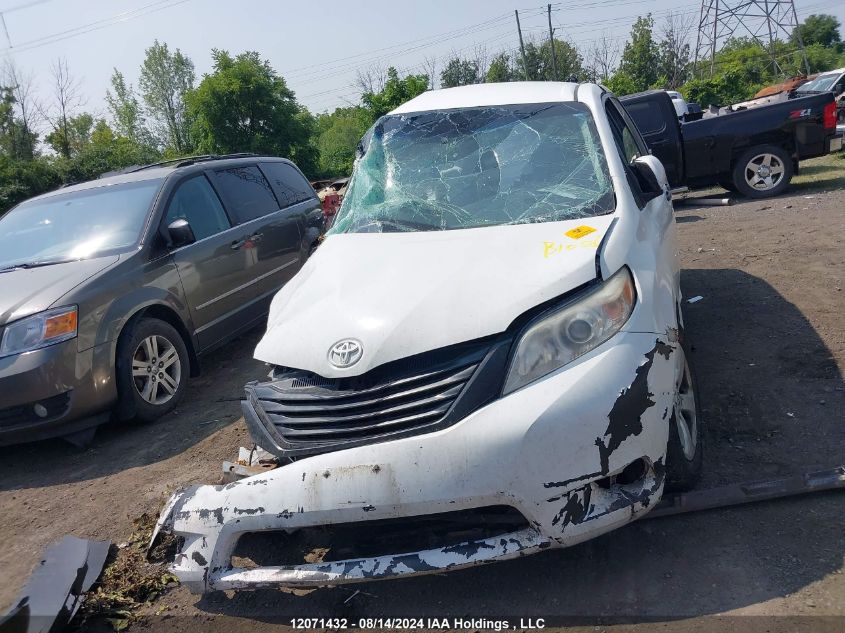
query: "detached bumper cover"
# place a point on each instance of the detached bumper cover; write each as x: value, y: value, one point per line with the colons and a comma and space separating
x: 546, y: 450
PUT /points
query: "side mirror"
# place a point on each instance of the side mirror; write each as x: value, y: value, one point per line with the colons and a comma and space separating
x: 181, y: 233
x: 651, y: 175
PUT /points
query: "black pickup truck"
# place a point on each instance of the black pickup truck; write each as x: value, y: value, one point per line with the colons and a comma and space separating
x: 754, y: 152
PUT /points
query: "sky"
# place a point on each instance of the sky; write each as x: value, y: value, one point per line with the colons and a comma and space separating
x: 319, y: 47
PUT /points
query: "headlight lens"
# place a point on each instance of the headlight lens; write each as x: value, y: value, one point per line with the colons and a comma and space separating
x: 563, y: 336
x: 39, y: 330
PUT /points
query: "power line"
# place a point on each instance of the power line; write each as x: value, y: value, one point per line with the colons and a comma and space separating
x: 97, y: 25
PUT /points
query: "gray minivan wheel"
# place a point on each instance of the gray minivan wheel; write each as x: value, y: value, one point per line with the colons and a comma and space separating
x: 152, y: 368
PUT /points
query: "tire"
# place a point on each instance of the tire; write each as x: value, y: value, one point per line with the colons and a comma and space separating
x: 763, y: 171
x: 684, y: 457
x: 144, y: 394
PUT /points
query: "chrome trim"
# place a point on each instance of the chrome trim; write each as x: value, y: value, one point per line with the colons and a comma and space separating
x: 246, y: 285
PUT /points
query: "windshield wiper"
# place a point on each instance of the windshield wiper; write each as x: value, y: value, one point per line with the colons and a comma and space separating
x: 38, y: 264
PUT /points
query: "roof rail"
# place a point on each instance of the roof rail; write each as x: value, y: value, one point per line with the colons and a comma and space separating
x: 190, y: 160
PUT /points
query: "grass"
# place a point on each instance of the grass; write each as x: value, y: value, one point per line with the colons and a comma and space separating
x: 821, y: 174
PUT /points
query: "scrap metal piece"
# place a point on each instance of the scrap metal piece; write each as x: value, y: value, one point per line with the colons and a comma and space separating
x: 251, y: 461
x: 55, y: 590
x: 749, y: 492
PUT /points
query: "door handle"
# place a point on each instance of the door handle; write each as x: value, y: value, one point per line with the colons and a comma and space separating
x: 251, y: 239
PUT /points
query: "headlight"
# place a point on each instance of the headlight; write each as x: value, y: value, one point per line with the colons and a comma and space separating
x: 573, y: 330
x: 39, y: 330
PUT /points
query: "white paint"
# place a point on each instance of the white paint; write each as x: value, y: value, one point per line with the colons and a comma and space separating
x: 534, y: 449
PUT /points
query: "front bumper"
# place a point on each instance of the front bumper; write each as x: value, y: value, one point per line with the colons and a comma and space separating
x: 546, y: 450
x: 70, y: 384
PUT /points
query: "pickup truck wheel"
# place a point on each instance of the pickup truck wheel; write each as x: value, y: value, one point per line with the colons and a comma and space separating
x: 763, y: 171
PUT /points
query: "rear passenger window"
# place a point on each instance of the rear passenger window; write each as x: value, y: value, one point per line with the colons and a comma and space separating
x: 288, y: 183
x: 196, y: 202
x: 247, y: 192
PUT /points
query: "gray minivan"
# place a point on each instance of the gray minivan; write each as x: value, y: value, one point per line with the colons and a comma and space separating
x: 112, y: 290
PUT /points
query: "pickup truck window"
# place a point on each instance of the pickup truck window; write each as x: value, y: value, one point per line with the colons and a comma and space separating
x: 474, y: 167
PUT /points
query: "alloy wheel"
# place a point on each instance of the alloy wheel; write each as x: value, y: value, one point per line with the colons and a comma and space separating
x: 764, y: 172
x: 156, y: 369
x: 685, y: 416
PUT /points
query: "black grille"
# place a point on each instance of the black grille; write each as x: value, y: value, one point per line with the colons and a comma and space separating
x: 311, y: 414
x: 56, y: 407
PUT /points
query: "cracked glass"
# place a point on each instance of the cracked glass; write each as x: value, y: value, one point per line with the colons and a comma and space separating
x: 475, y: 167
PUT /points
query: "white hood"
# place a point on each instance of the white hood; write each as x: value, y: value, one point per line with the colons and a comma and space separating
x: 401, y: 294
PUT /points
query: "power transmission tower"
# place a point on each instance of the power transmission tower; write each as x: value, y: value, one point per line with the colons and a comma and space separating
x: 764, y: 21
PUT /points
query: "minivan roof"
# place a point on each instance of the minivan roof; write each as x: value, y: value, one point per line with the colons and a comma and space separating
x: 152, y: 173
x: 493, y: 94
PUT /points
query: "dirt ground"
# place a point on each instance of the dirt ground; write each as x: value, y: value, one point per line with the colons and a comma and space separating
x: 769, y: 350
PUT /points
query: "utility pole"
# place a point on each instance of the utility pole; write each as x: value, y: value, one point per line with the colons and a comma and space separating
x: 521, y: 45
x: 552, y: 42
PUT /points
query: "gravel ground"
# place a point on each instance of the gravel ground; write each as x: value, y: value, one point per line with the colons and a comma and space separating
x: 769, y: 350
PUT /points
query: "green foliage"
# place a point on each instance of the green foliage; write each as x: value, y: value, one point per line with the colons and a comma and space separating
x: 16, y: 141
x: 126, y: 111
x: 68, y: 140
x: 567, y: 59
x: 500, y: 69
x: 641, y: 59
x: 819, y: 29
x: 622, y: 84
x: 338, y: 134
x: 243, y: 105
x: 165, y: 80
x: 396, y: 91
x: 460, y: 72
x: 22, y: 179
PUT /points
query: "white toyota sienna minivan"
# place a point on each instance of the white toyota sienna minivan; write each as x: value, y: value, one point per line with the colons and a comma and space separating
x: 485, y: 357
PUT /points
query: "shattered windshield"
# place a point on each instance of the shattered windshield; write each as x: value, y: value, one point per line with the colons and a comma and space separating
x: 473, y: 167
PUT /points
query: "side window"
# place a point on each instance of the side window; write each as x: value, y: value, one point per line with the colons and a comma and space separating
x: 288, y: 183
x: 247, y: 193
x: 626, y: 138
x: 196, y: 202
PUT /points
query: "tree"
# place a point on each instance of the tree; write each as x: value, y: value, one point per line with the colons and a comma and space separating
x: 500, y: 69
x: 125, y: 110
x: 459, y: 72
x: 396, y: 91
x: 675, y: 50
x: 602, y: 59
x: 165, y: 80
x: 338, y: 134
x: 640, y: 61
x: 819, y: 29
x: 26, y: 109
x: 67, y: 99
x: 72, y: 137
x: 568, y: 62
x: 243, y: 105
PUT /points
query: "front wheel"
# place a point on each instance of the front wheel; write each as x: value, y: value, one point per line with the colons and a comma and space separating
x: 153, y: 368
x: 684, y: 451
x: 762, y: 172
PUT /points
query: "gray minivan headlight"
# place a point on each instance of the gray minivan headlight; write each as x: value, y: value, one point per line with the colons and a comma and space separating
x: 573, y: 330
x: 39, y: 330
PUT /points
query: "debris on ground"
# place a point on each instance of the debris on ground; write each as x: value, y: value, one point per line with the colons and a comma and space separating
x: 132, y: 579
x: 56, y: 589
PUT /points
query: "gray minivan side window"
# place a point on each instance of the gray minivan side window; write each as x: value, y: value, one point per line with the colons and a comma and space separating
x: 289, y: 184
x: 196, y: 202
x: 247, y: 193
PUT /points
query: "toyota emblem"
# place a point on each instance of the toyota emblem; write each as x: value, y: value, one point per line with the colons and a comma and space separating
x: 345, y: 353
